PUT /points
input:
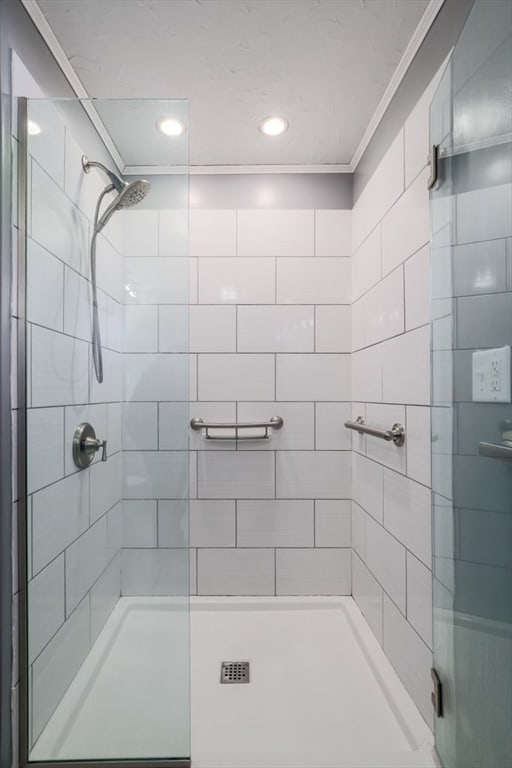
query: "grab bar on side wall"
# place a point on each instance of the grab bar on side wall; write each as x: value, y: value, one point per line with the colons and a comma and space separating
x: 496, y: 450
x: 396, y: 433
x: 234, y: 428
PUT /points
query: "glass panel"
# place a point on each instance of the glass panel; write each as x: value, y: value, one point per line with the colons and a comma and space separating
x: 471, y: 239
x: 107, y: 330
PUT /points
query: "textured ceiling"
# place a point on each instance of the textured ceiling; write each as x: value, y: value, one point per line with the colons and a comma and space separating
x: 324, y: 64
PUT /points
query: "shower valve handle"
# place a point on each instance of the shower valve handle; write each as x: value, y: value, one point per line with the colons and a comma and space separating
x: 86, y: 445
x: 96, y: 445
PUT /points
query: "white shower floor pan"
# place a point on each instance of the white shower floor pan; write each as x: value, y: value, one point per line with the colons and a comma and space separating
x: 321, y: 693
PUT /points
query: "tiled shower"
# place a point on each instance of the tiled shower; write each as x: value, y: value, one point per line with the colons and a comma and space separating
x: 319, y: 313
x: 289, y: 312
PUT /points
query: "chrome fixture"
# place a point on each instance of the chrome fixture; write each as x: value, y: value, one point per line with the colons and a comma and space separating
x: 496, y: 450
x: 234, y: 672
x: 433, y: 161
x: 86, y: 444
x: 396, y: 433
x: 234, y: 428
x: 128, y: 195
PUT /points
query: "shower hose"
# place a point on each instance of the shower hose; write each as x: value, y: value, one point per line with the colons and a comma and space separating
x: 97, y: 354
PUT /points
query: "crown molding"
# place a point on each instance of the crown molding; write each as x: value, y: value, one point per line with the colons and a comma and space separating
x: 419, y: 34
x: 412, y: 48
x: 223, y: 170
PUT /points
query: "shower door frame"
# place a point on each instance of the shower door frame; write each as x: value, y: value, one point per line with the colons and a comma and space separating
x: 24, y: 762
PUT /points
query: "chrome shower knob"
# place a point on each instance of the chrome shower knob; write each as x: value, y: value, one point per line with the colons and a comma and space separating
x: 86, y: 444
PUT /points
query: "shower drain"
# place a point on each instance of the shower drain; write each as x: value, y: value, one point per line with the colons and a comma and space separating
x: 234, y: 672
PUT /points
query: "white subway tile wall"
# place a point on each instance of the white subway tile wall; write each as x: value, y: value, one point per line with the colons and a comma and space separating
x: 272, y: 335
x: 74, y: 562
x: 391, y: 514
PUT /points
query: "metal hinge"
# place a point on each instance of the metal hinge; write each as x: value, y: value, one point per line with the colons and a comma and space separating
x: 433, y: 161
x: 437, y: 694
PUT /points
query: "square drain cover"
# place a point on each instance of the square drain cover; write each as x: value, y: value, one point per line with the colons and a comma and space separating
x: 234, y: 672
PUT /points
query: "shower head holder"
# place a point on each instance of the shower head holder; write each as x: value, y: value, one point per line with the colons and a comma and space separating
x: 116, y: 181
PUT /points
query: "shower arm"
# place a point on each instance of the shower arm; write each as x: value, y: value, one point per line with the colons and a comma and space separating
x: 87, y: 164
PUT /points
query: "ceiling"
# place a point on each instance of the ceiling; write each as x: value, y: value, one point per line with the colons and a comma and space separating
x: 324, y: 64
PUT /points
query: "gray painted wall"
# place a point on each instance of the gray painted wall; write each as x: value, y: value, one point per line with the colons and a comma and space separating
x: 297, y: 190
x: 252, y: 191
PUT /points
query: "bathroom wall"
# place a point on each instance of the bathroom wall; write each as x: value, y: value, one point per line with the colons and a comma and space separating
x: 155, y: 556
x: 73, y: 517
x: 392, y: 550
x: 269, y: 335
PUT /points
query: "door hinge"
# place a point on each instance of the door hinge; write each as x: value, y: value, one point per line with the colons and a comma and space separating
x: 437, y: 694
x: 433, y: 161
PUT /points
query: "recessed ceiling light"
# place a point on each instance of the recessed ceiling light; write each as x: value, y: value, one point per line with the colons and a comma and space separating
x: 171, y: 126
x: 273, y: 126
x: 33, y: 128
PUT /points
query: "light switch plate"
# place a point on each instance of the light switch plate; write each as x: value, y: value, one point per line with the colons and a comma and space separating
x: 491, y: 375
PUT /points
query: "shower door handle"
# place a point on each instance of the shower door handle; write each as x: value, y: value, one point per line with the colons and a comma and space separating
x: 496, y: 450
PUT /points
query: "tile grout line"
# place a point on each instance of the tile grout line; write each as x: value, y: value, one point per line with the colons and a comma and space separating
x: 275, y: 571
x: 158, y: 425
x: 275, y: 474
x: 197, y: 570
x: 314, y: 327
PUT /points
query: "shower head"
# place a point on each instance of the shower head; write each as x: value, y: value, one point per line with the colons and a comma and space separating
x: 128, y: 193
x: 131, y: 194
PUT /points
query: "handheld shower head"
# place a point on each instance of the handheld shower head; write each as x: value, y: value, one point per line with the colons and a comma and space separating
x: 132, y: 193
x: 129, y: 193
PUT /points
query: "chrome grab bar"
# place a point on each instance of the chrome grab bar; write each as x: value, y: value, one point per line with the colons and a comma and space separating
x: 496, y: 450
x: 275, y: 422
x: 396, y: 433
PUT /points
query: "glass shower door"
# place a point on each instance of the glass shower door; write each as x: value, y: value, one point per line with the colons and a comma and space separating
x: 105, y: 558
x: 471, y: 238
